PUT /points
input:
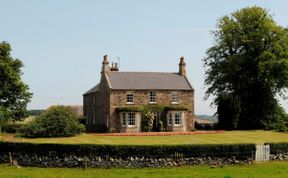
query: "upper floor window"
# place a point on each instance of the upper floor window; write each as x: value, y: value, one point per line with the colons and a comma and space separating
x: 152, y: 97
x: 129, y: 98
x: 175, y: 98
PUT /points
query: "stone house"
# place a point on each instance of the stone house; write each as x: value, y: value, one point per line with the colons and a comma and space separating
x: 121, y: 100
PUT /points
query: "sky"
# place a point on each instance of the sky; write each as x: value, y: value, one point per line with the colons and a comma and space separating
x: 62, y: 43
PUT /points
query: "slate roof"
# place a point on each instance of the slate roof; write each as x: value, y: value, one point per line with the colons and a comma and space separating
x: 92, y: 90
x: 148, y: 81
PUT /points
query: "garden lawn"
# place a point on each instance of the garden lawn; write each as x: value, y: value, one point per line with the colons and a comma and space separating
x: 269, y: 169
x: 227, y: 137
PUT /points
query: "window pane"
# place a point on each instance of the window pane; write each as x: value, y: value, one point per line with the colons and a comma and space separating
x: 123, y: 119
x: 170, y: 119
x: 152, y: 97
x: 131, y: 119
x: 175, y: 97
x: 129, y: 97
x: 177, y: 118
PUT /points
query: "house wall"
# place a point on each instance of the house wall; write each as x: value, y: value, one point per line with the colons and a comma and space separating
x: 118, y: 98
x: 97, y: 107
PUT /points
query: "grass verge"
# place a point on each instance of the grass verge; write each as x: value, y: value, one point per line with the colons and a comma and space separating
x: 227, y: 137
x: 264, y: 170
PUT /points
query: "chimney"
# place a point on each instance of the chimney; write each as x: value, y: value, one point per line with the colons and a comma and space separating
x: 182, y: 67
x: 105, y: 65
x: 114, y: 67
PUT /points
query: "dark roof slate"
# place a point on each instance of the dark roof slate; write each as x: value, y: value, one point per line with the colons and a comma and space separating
x: 92, y: 90
x: 148, y: 81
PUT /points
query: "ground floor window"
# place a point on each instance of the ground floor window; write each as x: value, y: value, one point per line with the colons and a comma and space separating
x: 131, y: 119
x: 170, y: 119
x: 175, y: 118
x: 128, y: 119
x: 123, y: 119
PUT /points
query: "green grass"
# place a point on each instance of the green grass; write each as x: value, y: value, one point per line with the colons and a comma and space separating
x: 258, y: 137
x: 269, y: 170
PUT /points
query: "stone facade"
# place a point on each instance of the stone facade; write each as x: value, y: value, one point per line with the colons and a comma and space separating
x: 100, y: 104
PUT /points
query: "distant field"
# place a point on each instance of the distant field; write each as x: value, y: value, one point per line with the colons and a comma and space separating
x: 258, y: 137
x: 265, y: 170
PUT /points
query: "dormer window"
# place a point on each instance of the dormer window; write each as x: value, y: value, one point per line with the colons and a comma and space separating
x: 152, y: 97
x: 129, y: 98
x: 175, y: 98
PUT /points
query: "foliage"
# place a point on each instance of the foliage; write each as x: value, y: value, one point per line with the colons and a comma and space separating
x: 205, y: 126
x: 220, y: 150
x: 176, y: 108
x: 278, y: 120
x: 278, y: 147
x: 249, y: 60
x: 129, y: 108
x: 14, y: 94
x: 229, y: 109
x: 35, y: 112
x: 56, y: 121
x: 150, y: 118
x: 12, y: 127
x: 161, y: 121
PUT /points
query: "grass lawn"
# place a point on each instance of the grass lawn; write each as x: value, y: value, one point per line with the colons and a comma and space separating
x: 269, y: 169
x: 258, y: 137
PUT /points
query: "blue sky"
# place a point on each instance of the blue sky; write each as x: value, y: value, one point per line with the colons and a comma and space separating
x: 62, y: 42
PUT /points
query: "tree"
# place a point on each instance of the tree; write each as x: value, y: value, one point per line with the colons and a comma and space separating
x: 229, y: 109
x: 56, y: 121
x: 249, y: 60
x: 14, y: 94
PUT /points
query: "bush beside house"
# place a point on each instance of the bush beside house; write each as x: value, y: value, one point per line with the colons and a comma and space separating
x: 56, y: 121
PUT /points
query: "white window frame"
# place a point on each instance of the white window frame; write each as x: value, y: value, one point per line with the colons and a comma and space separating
x: 176, y: 119
x: 175, y: 98
x: 130, y: 98
x: 131, y: 119
x: 170, y: 119
x: 123, y: 119
x: 152, y: 97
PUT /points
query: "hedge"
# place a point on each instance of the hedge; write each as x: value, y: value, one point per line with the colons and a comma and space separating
x: 278, y: 147
x: 11, y: 127
x: 238, y: 150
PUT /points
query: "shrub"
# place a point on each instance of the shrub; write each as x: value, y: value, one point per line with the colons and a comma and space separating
x: 229, y: 150
x: 11, y: 127
x: 278, y: 147
x: 56, y: 121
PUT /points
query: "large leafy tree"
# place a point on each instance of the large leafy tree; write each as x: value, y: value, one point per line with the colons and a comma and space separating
x: 249, y: 61
x: 14, y: 94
